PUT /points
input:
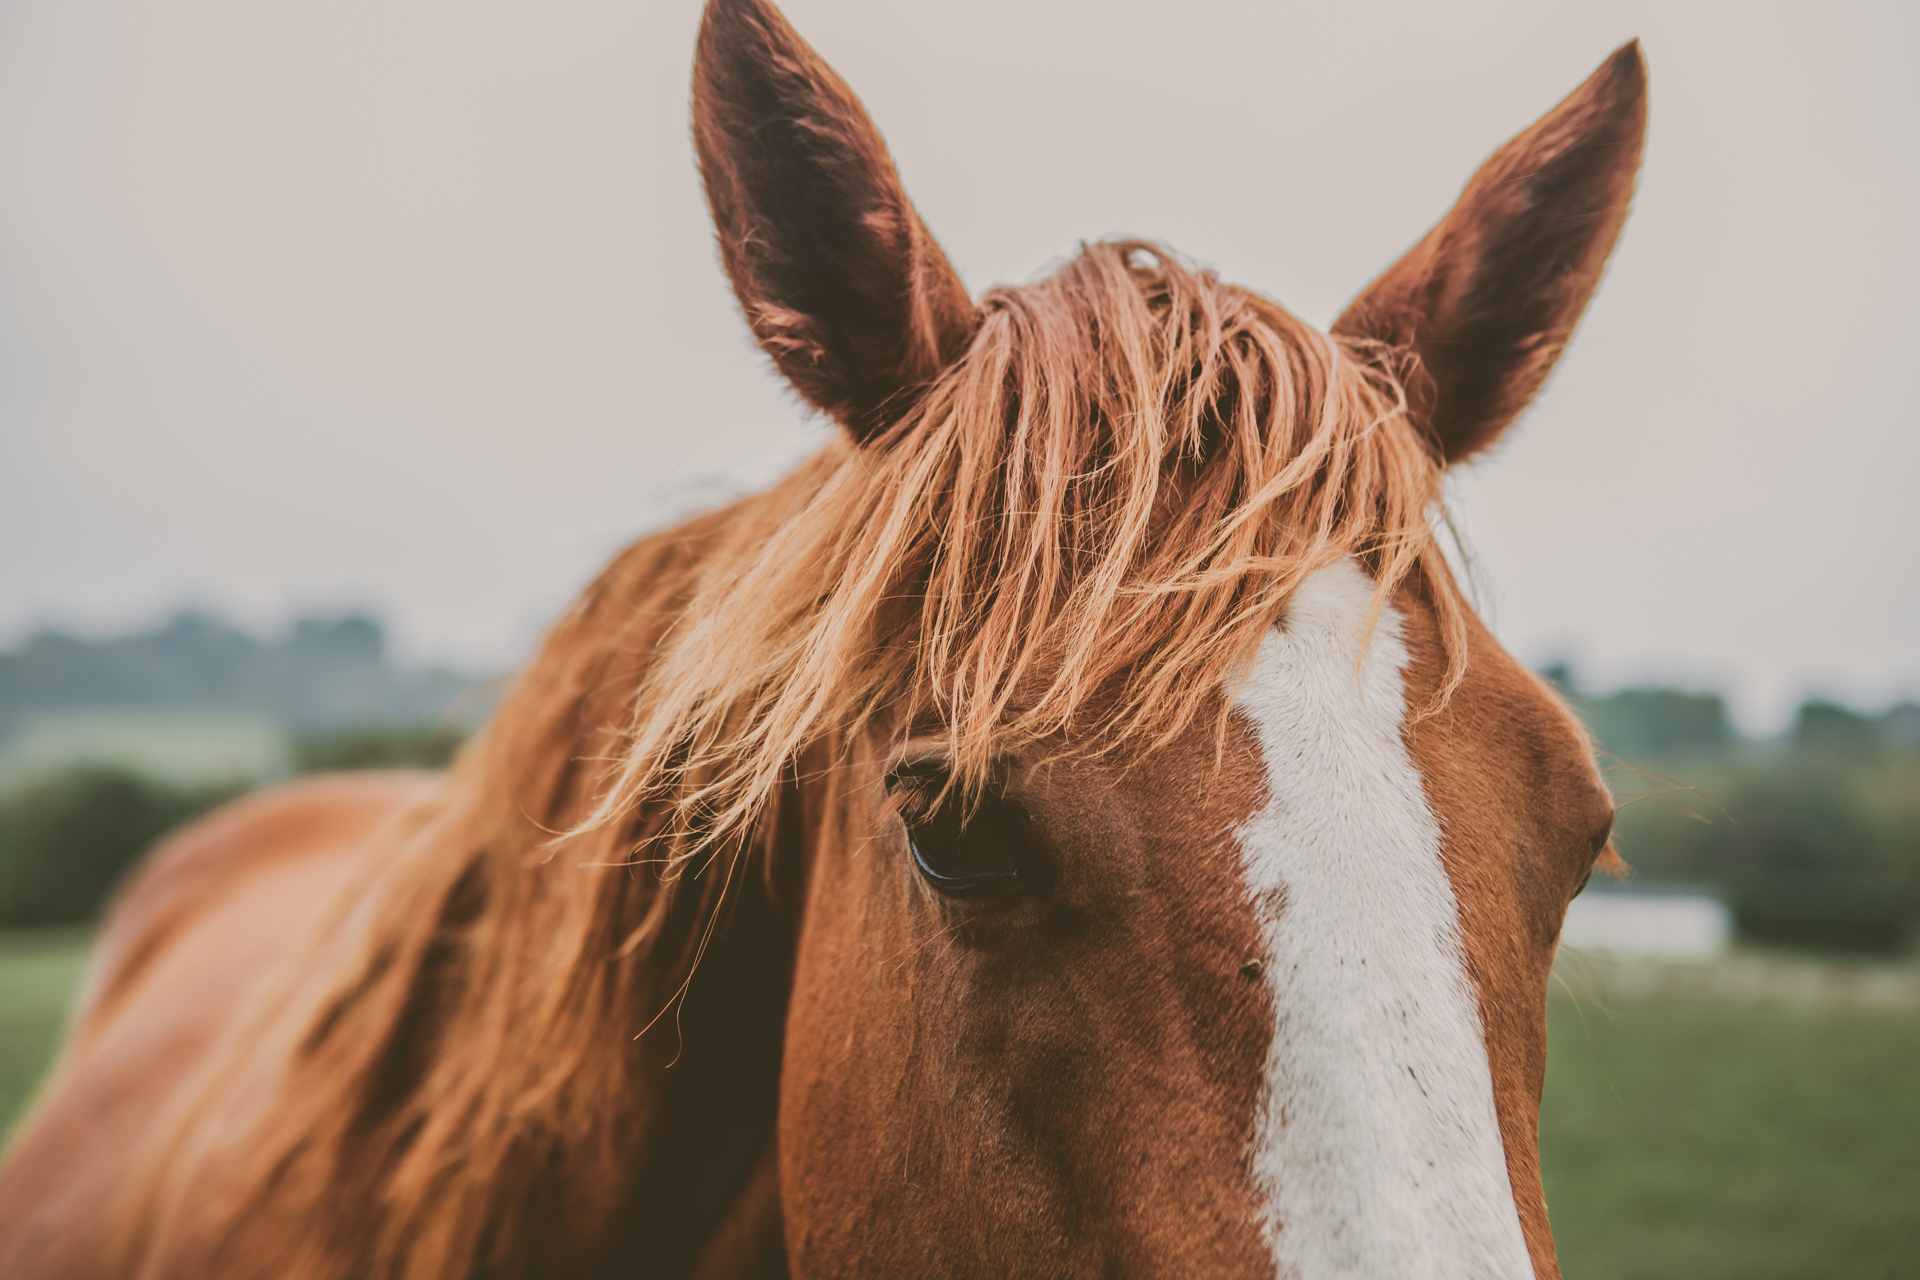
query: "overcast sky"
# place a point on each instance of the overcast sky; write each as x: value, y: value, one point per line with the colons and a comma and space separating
x: 412, y: 305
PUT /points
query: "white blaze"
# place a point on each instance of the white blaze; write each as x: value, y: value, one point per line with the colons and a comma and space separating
x: 1377, y: 1151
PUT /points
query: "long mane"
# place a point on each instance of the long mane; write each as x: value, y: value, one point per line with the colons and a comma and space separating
x: 1103, y: 505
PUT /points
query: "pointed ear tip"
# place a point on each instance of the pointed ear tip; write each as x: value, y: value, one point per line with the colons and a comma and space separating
x: 733, y: 10
x: 742, y: 42
x: 1613, y: 99
x: 1626, y: 70
x: 729, y: 19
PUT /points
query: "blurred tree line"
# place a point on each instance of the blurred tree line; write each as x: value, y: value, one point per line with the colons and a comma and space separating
x: 69, y: 831
x: 326, y: 672
x: 66, y: 840
x: 1812, y: 839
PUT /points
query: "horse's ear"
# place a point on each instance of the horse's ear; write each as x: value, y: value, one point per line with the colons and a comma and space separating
x: 1488, y: 299
x: 838, y: 277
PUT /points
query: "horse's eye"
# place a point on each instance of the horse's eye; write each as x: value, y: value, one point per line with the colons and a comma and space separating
x: 1598, y: 844
x: 968, y: 851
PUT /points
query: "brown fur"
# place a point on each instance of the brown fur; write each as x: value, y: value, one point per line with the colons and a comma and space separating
x: 1058, y: 1094
x: 649, y: 985
x: 839, y: 278
x: 1524, y: 815
x: 1488, y: 299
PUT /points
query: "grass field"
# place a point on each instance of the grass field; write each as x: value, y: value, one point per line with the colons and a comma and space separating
x: 1708, y: 1139
x: 38, y: 972
x: 1683, y: 1138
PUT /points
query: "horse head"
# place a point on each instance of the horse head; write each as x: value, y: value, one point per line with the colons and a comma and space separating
x: 1197, y: 860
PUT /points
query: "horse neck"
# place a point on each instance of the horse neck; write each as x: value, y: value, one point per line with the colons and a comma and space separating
x: 656, y: 1006
x: 527, y: 1056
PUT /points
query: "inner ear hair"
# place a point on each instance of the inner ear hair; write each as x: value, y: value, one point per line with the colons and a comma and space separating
x: 1484, y: 304
x: 840, y: 280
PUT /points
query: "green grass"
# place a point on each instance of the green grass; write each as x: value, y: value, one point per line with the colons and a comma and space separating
x: 39, y: 969
x: 1700, y: 1139
x: 1681, y: 1138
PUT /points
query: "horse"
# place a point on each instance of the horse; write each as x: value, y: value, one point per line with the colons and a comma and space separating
x: 1074, y: 825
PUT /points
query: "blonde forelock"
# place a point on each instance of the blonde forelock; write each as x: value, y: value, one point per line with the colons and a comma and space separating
x: 1104, y: 504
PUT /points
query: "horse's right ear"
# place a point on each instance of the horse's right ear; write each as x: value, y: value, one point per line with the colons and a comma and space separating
x: 838, y: 277
x: 1485, y: 303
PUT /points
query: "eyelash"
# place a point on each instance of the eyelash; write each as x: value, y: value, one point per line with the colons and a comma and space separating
x: 982, y: 854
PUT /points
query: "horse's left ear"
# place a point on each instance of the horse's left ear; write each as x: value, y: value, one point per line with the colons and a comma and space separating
x: 1486, y: 302
x: 838, y: 277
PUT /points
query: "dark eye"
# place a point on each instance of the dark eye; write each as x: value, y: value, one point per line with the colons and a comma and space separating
x: 978, y: 850
x: 1598, y: 846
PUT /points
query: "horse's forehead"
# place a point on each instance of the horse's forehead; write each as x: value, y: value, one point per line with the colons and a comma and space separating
x: 1378, y: 1142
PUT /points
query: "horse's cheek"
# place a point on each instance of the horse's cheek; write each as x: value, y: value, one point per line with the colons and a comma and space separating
x: 902, y: 1152
x: 845, y: 1127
